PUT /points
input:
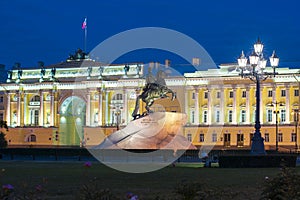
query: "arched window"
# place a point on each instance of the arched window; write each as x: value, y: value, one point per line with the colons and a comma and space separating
x: 31, y: 138
x: 36, y: 98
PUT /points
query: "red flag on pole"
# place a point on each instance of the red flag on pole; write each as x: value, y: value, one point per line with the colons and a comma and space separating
x: 84, y: 24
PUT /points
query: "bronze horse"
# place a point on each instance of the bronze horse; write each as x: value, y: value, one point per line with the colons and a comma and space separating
x: 151, y: 92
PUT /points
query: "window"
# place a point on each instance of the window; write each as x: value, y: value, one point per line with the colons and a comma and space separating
x: 205, y: 116
x: 296, y: 93
x: 269, y: 115
x: 205, y: 95
x: 282, y: 115
x: 201, y: 137
x: 34, y: 117
x: 217, y: 116
x: 193, y: 117
x: 280, y: 137
x: 36, y: 98
x: 1, y: 99
x: 243, y: 116
x: 230, y: 116
x: 293, y: 137
x: 218, y: 95
x: 270, y: 93
x: 283, y: 93
x: 31, y: 138
x: 193, y: 95
x: 214, y: 137
x: 118, y: 97
x: 243, y: 94
x: 189, y: 137
x: 1, y: 117
x: 231, y: 94
x: 267, y: 137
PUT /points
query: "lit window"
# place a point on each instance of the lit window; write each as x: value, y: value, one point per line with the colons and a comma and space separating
x: 269, y: 115
x: 217, y: 116
x: 205, y: 116
x: 270, y: 93
x: 205, y: 95
x: 193, y: 117
x: 280, y: 137
x: 214, y: 137
x: 230, y: 116
x: 282, y: 115
x: 193, y: 95
x: 293, y: 137
x: 189, y: 137
x: 118, y: 97
x: 244, y: 94
x: 267, y: 137
x: 243, y: 116
x: 201, y: 137
x: 283, y: 93
x: 296, y: 93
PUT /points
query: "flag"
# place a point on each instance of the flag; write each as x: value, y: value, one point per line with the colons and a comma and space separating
x: 84, y: 24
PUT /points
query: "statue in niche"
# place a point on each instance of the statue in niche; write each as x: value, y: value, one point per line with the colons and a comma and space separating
x: 9, y: 74
x: 153, y: 90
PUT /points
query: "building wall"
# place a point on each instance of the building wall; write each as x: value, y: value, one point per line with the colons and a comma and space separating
x: 218, y: 104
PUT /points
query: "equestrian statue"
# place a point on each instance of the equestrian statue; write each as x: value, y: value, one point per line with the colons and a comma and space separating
x: 153, y: 90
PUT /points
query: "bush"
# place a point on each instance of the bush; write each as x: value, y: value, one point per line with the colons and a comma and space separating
x: 285, y: 186
x: 3, y: 142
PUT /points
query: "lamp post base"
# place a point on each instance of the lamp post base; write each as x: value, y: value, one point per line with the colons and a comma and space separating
x: 257, y: 147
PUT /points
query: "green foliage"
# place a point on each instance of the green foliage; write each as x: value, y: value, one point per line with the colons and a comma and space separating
x: 190, y: 190
x: 285, y: 186
x: 91, y: 190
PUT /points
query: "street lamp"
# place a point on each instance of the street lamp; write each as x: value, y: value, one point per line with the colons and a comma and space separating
x: 255, y: 72
x: 296, y: 120
x: 276, y: 112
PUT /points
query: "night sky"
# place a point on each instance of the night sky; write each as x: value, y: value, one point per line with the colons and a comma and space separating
x: 36, y: 30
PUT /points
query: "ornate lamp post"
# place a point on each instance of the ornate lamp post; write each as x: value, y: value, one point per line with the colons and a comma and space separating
x: 296, y: 120
x: 276, y: 112
x: 255, y: 72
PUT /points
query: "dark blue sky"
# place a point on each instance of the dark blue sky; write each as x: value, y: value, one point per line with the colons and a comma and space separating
x: 35, y: 30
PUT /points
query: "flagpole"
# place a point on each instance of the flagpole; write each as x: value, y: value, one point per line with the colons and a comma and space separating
x: 85, y: 36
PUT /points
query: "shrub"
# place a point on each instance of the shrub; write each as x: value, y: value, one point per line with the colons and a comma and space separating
x: 285, y: 186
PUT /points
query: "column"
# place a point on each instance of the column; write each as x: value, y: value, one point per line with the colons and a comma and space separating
x: 287, y: 104
x: 56, y: 121
x: 106, y: 108
x: 197, y: 106
x: 25, y: 108
x: 186, y: 101
x: 18, y: 108
x: 100, y: 108
x: 88, y: 109
x: 8, y: 114
x: 41, y: 114
x: 52, y: 108
x: 222, y: 105
x: 248, y: 116
x: 125, y: 106
x: 261, y: 107
x: 234, y: 106
x: 209, y: 105
x: 274, y: 100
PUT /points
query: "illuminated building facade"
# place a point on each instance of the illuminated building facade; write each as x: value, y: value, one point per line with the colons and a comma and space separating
x: 80, y: 101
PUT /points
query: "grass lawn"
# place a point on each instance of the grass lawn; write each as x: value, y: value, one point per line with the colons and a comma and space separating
x: 63, y: 180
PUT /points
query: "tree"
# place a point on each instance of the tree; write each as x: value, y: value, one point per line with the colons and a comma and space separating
x: 3, y: 142
x: 285, y: 186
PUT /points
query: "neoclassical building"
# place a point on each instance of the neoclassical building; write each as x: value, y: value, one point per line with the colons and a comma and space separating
x: 81, y: 101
